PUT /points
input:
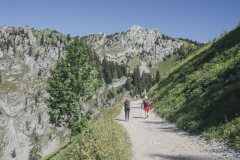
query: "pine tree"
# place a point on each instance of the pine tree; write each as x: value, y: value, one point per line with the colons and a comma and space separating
x: 124, y: 69
x: 157, y: 76
x: 107, y: 71
x: 136, y: 79
x: 143, y: 83
x: 128, y: 84
x: 98, y: 65
x: 149, y: 81
x: 119, y: 70
x: 112, y: 68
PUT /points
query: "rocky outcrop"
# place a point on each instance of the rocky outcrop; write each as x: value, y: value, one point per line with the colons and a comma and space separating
x: 26, y: 58
x: 134, y: 46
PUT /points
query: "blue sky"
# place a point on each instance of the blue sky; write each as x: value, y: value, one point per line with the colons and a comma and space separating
x: 200, y: 20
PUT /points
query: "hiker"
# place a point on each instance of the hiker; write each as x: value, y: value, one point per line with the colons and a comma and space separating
x: 126, y: 108
x: 146, y: 106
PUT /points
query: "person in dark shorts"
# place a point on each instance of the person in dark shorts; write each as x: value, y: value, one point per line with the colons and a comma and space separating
x: 127, y: 108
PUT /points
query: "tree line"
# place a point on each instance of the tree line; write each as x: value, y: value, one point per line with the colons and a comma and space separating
x: 136, y: 82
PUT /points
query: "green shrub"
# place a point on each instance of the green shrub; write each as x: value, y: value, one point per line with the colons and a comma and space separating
x: 229, y: 132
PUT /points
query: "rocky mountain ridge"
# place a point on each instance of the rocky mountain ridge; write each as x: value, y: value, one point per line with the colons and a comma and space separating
x: 137, y: 46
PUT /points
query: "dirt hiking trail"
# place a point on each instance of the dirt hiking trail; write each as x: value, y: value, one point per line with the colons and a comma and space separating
x: 155, y: 139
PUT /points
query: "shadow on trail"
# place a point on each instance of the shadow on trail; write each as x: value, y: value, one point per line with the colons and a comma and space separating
x: 138, y: 117
x: 136, y: 107
x: 156, y: 122
x: 165, y: 126
x: 172, y: 157
x: 176, y: 130
x: 117, y: 119
x: 170, y: 129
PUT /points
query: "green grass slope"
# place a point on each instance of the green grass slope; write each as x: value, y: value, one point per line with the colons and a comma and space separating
x: 203, y: 94
x: 104, y: 139
x: 170, y: 62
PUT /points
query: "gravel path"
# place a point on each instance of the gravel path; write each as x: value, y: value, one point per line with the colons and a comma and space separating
x: 156, y: 139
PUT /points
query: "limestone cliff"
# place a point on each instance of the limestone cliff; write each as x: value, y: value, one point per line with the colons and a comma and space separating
x: 26, y: 58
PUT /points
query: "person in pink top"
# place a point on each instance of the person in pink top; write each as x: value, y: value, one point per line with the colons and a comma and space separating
x: 146, y: 106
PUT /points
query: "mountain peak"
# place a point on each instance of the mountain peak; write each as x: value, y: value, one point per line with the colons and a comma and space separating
x: 136, y: 27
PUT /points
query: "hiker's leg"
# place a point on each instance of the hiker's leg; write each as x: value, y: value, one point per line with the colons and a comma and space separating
x: 128, y: 114
x: 125, y: 115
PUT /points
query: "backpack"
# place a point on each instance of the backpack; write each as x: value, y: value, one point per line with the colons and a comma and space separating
x: 127, y: 104
x: 146, y: 102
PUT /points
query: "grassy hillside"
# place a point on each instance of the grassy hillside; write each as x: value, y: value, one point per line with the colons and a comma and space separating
x: 202, y: 95
x: 188, y: 50
x: 171, y: 64
x: 165, y: 67
x: 104, y: 139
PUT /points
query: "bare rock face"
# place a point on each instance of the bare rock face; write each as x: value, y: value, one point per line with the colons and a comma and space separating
x: 26, y: 58
x: 135, y: 46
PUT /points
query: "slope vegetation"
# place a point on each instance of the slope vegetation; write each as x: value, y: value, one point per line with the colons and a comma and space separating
x: 104, y: 138
x: 202, y: 95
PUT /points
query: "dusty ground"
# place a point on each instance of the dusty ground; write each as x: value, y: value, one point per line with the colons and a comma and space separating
x: 154, y: 138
